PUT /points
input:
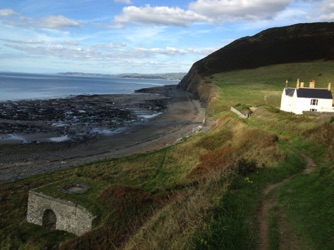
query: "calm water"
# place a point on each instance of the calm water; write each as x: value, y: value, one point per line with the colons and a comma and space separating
x: 17, y: 86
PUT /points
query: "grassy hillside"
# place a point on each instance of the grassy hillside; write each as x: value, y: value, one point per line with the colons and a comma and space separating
x: 264, y: 85
x: 296, y: 43
x: 306, y: 42
x: 205, y: 192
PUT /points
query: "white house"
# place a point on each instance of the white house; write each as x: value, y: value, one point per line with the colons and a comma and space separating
x: 299, y: 99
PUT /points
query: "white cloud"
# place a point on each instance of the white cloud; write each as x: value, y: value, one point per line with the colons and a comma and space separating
x: 13, y: 18
x: 10, y: 41
x: 56, y: 22
x: 123, y: 1
x: 232, y: 10
x: 56, y: 50
x: 7, y: 12
x: 174, y: 51
x: 109, y: 45
x: 70, y: 43
x: 96, y: 52
x: 159, y: 16
x: 327, y: 9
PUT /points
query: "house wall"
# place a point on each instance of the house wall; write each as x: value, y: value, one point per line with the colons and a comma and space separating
x: 70, y: 217
x: 285, y: 102
x: 304, y: 104
x: 325, y: 105
x: 288, y: 103
x: 298, y: 105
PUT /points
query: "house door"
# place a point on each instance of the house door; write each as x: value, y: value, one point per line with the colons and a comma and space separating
x: 49, y: 219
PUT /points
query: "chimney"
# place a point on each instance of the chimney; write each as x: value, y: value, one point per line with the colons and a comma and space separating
x: 312, y: 84
x: 297, y: 85
x: 329, y: 86
x: 302, y: 84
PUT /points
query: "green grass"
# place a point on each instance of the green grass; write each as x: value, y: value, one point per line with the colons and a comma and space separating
x: 149, y: 177
x: 15, y: 232
x: 189, y: 195
x: 89, y: 199
x: 264, y: 85
x: 274, y: 232
x: 308, y: 200
x: 231, y: 222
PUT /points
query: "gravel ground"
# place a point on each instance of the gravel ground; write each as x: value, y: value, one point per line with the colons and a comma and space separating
x: 182, y: 117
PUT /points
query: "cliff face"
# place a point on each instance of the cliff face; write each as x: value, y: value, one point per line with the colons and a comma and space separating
x: 295, y: 43
x: 191, y: 82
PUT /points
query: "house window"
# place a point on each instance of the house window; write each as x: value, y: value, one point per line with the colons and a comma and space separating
x: 313, y: 110
x: 314, y: 101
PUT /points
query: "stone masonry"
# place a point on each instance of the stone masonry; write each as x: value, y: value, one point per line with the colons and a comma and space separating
x: 58, y: 214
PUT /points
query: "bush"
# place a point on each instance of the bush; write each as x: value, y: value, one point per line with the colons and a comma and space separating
x: 212, y: 142
x: 245, y: 167
x: 332, y: 119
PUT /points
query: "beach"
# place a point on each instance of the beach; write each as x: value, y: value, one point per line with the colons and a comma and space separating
x: 149, y: 119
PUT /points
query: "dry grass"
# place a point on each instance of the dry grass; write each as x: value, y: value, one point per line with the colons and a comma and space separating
x: 162, y: 199
x: 174, y: 226
x: 128, y: 208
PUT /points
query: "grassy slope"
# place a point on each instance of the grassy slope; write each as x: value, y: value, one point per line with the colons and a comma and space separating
x: 264, y: 85
x: 310, y: 216
x: 203, y: 192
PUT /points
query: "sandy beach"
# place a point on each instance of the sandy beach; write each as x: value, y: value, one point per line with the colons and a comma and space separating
x: 157, y: 127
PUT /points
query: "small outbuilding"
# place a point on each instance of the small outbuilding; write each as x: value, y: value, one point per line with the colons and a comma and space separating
x: 60, y: 214
x: 302, y: 99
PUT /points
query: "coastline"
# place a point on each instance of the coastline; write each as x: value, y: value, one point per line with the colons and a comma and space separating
x: 32, y: 86
x: 182, y: 116
x: 76, y: 118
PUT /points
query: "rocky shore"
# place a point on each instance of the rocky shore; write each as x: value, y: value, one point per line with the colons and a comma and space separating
x: 92, y: 128
x: 74, y: 119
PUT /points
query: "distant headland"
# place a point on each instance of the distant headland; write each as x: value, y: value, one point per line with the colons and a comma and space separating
x: 162, y: 76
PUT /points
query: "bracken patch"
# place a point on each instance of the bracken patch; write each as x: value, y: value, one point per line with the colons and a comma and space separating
x: 128, y: 209
x: 218, y: 159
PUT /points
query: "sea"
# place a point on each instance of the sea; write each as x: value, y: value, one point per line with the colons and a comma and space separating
x: 23, y: 86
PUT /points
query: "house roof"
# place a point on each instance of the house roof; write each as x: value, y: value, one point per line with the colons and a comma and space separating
x: 314, y: 93
x: 289, y: 92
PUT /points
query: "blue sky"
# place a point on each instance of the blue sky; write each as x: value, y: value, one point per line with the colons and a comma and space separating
x: 135, y: 36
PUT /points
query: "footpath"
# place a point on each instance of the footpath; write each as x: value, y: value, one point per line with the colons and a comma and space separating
x: 266, y: 205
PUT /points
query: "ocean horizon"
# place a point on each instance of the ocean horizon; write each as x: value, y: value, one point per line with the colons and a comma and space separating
x: 26, y: 86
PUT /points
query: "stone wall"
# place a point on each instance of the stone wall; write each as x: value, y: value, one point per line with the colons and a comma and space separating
x: 234, y: 110
x: 318, y: 113
x: 67, y: 215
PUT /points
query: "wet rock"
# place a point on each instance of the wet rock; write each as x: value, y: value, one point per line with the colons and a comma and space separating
x: 76, y: 117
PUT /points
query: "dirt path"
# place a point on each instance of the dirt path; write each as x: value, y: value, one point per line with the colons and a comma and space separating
x: 182, y: 118
x: 267, y: 204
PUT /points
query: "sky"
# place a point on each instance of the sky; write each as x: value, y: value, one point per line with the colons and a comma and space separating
x: 136, y: 36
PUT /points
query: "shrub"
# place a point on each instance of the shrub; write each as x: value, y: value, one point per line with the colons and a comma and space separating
x: 245, y: 167
x: 215, y: 141
x: 332, y: 119
x: 322, y: 134
x: 215, y: 160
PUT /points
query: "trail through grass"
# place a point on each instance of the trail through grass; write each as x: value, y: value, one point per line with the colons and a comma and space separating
x: 204, y: 192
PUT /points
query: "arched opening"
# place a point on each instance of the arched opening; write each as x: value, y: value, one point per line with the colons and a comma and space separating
x: 49, y: 219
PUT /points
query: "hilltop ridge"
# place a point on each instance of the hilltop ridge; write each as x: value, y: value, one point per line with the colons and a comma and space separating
x: 295, y: 43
